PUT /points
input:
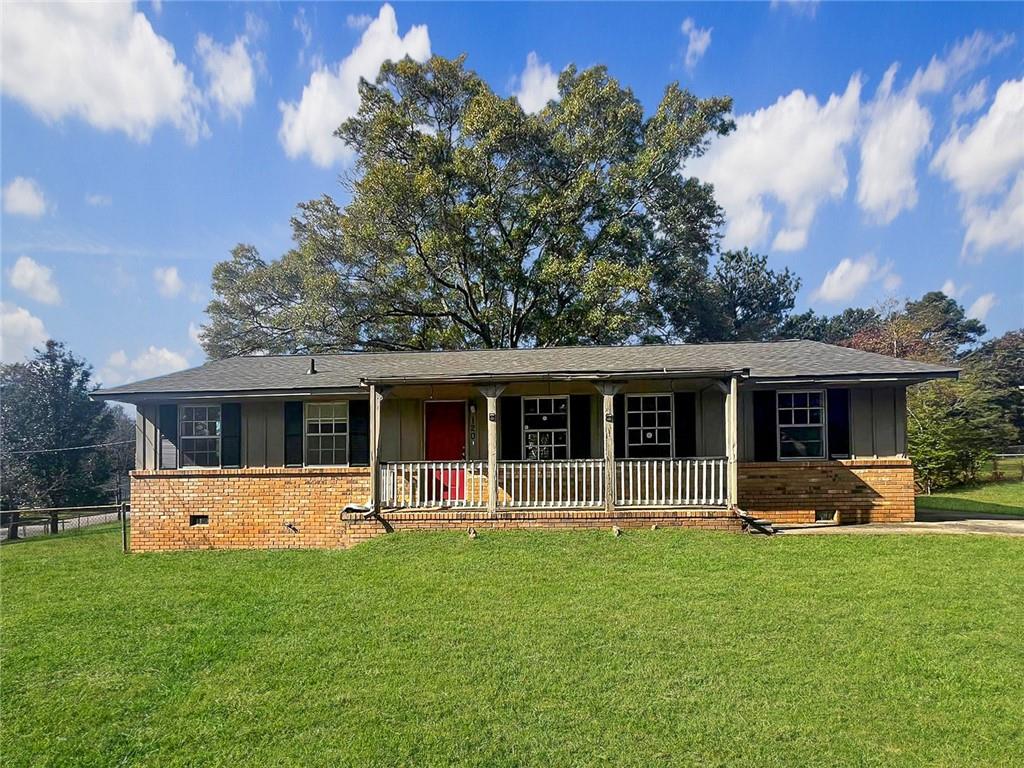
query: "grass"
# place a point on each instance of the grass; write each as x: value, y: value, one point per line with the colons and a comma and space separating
x: 1001, y: 498
x: 660, y: 647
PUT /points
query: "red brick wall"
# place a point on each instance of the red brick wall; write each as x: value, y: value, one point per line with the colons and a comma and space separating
x: 248, y: 508
x: 251, y: 508
x: 862, y: 490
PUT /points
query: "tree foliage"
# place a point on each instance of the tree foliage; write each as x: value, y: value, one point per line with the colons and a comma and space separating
x: 952, y: 426
x: 45, y: 404
x: 475, y: 224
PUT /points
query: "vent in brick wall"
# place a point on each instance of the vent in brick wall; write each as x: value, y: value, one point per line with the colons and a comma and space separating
x: 194, y: 520
x: 824, y: 515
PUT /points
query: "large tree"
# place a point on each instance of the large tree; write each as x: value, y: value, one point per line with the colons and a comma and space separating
x: 475, y: 224
x: 45, y: 406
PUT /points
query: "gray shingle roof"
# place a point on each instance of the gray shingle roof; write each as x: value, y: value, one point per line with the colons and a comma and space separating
x: 764, y: 360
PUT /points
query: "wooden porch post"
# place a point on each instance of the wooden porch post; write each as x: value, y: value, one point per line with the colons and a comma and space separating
x: 492, y: 393
x: 608, y: 391
x: 732, y: 398
x: 376, y: 395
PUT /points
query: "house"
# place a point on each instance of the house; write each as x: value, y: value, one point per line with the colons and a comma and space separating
x: 324, y: 451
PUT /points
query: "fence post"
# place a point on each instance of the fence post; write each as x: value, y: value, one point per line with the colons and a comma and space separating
x: 122, y: 513
x: 54, y: 520
x: 12, y: 531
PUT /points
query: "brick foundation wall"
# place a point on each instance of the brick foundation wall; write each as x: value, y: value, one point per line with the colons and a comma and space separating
x: 862, y: 490
x: 248, y: 508
x: 253, y: 509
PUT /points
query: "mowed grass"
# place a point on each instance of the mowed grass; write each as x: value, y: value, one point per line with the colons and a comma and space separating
x: 1001, y: 498
x: 662, y: 647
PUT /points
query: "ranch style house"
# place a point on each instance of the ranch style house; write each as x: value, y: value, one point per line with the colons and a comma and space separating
x: 329, y: 450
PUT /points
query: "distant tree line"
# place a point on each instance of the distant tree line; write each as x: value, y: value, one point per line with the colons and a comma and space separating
x: 45, y: 415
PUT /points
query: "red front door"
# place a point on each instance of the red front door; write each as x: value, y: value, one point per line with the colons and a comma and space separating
x: 446, y: 441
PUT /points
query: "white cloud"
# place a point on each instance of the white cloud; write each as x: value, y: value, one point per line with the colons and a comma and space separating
x: 305, y: 30
x: 899, y: 126
x: 537, y: 85
x: 332, y: 95
x: 168, y: 283
x: 971, y: 101
x: 103, y: 63
x: 153, y: 361
x: 850, y: 276
x: 97, y: 200
x: 898, y: 131
x: 982, y: 306
x: 954, y: 291
x: 20, y: 331
x: 24, y: 197
x: 358, y: 21
x: 194, y: 329
x: 697, y: 42
x: 34, y: 280
x: 790, y: 153
x: 799, y: 7
x: 985, y: 164
x: 230, y: 73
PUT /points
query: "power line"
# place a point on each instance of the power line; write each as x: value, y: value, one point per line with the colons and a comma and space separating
x: 73, y: 448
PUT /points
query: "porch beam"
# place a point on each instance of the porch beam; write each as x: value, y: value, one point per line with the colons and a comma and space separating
x: 492, y: 392
x: 608, y: 390
x: 732, y: 420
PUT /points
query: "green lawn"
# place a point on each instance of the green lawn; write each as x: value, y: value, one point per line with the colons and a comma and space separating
x: 660, y: 647
x: 1003, y: 498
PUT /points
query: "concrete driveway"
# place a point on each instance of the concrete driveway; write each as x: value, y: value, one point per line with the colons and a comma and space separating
x: 928, y: 521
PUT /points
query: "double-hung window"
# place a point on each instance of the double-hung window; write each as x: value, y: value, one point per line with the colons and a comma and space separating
x: 199, y: 435
x: 546, y: 428
x: 801, y: 425
x: 649, y: 426
x: 326, y: 433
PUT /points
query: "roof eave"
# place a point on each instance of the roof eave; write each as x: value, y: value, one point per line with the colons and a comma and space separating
x: 617, y: 375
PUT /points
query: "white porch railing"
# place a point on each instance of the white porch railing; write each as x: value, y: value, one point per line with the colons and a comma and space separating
x: 559, y: 484
x: 671, y: 482
x: 573, y: 484
x: 431, y: 484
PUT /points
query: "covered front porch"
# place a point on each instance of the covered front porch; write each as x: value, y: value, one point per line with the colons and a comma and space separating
x: 544, y: 444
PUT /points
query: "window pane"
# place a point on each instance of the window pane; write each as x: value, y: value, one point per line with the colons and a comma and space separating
x: 529, y: 406
x: 800, y: 399
x: 814, y: 398
x: 664, y: 403
x: 814, y: 416
x: 634, y: 419
x: 785, y: 400
x: 785, y: 417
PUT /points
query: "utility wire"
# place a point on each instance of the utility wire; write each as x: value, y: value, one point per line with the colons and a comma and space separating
x: 74, y: 448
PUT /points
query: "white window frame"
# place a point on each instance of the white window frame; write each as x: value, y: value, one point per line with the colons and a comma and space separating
x: 568, y: 426
x: 305, y: 431
x: 182, y: 438
x: 823, y: 425
x: 671, y: 423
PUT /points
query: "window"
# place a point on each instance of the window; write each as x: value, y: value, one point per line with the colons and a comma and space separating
x: 801, y: 425
x: 200, y: 435
x: 326, y: 433
x: 649, y: 426
x: 194, y: 520
x: 545, y: 428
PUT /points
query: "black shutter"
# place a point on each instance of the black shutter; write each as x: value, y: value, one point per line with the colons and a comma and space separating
x: 686, y: 424
x: 838, y: 407
x: 231, y: 435
x: 579, y: 426
x: 619, y: 412
x: 765, y: 426
x: 511, y: 428
x: 293, y: 433
x: 359, y: 433
x: 168, y: 437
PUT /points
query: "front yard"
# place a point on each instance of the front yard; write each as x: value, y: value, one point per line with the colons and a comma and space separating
x: 1004, y: 497
x: 657, y: 648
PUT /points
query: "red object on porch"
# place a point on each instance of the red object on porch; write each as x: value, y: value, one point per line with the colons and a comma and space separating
x: 446, y: 441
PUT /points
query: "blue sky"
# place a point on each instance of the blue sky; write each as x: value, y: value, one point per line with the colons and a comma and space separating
x: 141, y: 143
